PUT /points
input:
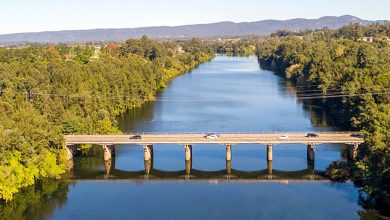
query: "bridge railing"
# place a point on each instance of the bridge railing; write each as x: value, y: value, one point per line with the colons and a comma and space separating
x: 262, y: 132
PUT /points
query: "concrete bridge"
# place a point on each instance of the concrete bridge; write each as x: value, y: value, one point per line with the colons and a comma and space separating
x: 224, y: 138
x: 227, y: 140
x: 187, y: 140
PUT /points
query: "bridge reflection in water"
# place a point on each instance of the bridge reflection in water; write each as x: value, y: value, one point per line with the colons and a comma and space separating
x: 150, y: 173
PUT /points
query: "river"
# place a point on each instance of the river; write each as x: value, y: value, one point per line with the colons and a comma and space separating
x: 228, y: 94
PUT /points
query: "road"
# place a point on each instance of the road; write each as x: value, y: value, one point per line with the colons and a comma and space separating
x: 225, y: 138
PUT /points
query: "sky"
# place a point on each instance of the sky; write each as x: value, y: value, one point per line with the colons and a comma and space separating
x: 50, y: 15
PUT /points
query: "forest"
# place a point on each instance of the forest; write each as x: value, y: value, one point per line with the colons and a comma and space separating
x: 47, y: 91
x: 240, y: 46
x: 348, y: 72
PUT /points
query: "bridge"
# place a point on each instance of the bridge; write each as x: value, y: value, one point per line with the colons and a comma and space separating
x: 224, y: 138
x: 147, y: 140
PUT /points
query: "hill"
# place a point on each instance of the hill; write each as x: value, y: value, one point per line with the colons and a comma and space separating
x: 212, y: 30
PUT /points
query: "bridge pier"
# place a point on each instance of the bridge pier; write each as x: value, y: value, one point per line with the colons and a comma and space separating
x: 310, y: 169
x: 310, y: 152
x: 228, y: 168
x: 148, y: 167
x: 188, y: 159
x: 353, y: 151
x: 310, y: 164
x: 310, y: 156
x: 188, y: 168
x: 108, y: 152
x: 71, y: 151
x: 188, y: 152
x: 228, y: 152
x: 269, y: 168
x: 148, y: 152
x: 269, y: 152
x: 109, y: 165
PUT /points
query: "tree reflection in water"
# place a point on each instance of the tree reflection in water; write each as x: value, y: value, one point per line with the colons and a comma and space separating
x: 36, y: 202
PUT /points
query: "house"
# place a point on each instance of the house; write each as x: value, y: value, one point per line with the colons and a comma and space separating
x: 367, y: 39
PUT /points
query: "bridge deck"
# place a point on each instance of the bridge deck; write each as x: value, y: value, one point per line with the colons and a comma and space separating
x: 232, y: 138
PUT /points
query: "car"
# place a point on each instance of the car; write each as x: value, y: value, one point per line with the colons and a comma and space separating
x: 211, y: 136
x: 357, y: 135
x: 283, y: 137
x: 312, y: 135
x: 137, y: 136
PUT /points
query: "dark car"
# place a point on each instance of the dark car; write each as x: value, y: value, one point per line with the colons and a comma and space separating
x: 312, y: 135
x: 137, y: 136
x: 357, y: 135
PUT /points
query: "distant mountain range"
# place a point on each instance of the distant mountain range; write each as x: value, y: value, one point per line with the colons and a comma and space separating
x: 213, y: 30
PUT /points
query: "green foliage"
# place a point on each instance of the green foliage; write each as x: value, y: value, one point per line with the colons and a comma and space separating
x: 338, y: 171
x: 244, y: 46
x: 48, y: 91
x: 357, y: 74
x: 30, y: 149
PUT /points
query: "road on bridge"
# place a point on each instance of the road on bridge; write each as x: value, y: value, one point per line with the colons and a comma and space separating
x: 225, y: 138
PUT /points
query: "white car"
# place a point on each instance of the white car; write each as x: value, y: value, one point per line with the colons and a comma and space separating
x: 283, y: 137
x: 211, y: 136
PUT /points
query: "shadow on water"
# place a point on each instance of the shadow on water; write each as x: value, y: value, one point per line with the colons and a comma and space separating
x: 133, y: 119
x: 320, y: 117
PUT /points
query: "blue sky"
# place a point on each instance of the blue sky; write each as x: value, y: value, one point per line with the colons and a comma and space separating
x: 42, y: 15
